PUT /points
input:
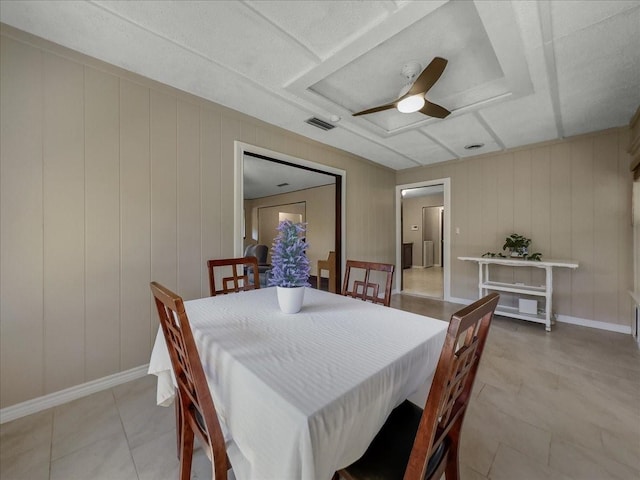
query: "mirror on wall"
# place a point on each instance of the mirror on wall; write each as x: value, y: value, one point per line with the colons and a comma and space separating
x: 275, y: 190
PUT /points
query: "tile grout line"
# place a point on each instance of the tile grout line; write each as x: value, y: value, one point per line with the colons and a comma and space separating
x: 124, y: 430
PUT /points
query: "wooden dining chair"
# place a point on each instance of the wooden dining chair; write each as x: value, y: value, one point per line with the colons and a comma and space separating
x: 368, y: 288
x: 239, y: 280
x: 196, y: 413
x: 416, y: 444
x: 330, y: 266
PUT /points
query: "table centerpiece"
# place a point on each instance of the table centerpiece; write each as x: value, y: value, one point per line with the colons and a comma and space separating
x: 290, y: 266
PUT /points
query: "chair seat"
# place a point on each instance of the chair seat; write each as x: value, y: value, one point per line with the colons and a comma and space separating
x: 388, y: 455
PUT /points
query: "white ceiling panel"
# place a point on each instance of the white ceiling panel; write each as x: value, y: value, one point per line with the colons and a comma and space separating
x: 258, y: 50
x: 323, y: 27
x: 538, y: 69
x: 570, y: 16
x: 364, y: 147
x: 419, y: 147
x: 519, y: 71
x: 515, y: 128
x: 599, y: 74
x: 457, y: 132
x: 528, y: 18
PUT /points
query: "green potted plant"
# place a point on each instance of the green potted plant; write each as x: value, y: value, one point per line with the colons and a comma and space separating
x: 517, y: 245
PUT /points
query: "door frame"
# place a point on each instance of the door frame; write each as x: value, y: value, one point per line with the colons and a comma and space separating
x: 240, y: 148
x: 446, y: 230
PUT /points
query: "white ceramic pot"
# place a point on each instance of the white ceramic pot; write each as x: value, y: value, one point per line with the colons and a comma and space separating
x: 290, y: 299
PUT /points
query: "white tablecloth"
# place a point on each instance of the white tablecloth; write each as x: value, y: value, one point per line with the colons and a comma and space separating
x: 302, y: 395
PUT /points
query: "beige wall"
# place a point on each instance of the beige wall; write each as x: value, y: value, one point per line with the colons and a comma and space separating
x: 412, y: 215
x: 268, y: 218
x: 634, y: 158
x: 636, y: 234
x: 109, y: 181
x: 572, y: 198
x: 320, y: 217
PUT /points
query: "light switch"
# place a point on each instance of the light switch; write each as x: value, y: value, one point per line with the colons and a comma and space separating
x: 457, y: 230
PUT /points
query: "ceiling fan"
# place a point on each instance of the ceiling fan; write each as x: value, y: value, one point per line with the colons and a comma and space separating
x: 412, y: 96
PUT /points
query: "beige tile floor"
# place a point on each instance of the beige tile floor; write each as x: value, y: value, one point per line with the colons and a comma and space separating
x: 423, y: 281
x: 559, y: 405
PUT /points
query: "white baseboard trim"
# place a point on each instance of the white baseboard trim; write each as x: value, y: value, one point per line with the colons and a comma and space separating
x: 583, y: 322
x: 54, y: 399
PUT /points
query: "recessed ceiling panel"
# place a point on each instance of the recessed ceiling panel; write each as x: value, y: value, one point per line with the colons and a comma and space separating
x: 369, y: 149
x: 457, y: 132
x: 322, y: 26
x: 453, y: 31
x: 419, y: 147
x: 522, y: 121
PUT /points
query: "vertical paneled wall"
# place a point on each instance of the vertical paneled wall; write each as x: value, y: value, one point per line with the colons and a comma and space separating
x: 572, y: 198
x: 109, y: 181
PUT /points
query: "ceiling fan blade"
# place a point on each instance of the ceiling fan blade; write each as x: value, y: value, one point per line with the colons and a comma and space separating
x: 377, y: 109
x: 429, y: 76
x: 434, y: 110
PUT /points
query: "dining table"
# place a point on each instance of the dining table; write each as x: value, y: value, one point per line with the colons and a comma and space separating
x: 302, y: 395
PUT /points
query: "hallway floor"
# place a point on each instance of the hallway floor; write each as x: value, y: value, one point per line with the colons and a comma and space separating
x: 423, y: 281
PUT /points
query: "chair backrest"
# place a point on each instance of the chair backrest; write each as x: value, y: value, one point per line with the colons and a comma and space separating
x: 451, y: 387
x: 261, y: 252
x: 196, y: 403
x: 365, y: 287
x: 330, y: 266
x: 238, y: 280
x: 331, y: 259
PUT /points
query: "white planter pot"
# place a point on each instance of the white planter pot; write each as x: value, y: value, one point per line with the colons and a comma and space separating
x: 290, y: 299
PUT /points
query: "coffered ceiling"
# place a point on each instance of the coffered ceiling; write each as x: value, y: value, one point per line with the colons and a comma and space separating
x: 519, y: 72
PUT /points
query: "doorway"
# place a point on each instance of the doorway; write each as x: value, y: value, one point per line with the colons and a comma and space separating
x: 274, y: 179
x: 422, y: 223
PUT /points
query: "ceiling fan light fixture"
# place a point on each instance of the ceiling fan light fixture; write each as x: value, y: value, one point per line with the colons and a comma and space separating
x: 411, y: 104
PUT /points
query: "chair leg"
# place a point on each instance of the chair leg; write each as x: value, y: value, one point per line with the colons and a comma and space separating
x: 452, y: 469
x: 186, y: 453
x: 178, y: 424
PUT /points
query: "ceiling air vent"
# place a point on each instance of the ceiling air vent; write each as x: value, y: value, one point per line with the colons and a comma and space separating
x: 321, y: 124
x: 474, y: 146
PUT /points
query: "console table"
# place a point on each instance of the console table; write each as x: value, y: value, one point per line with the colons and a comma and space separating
x: 545, y: 291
